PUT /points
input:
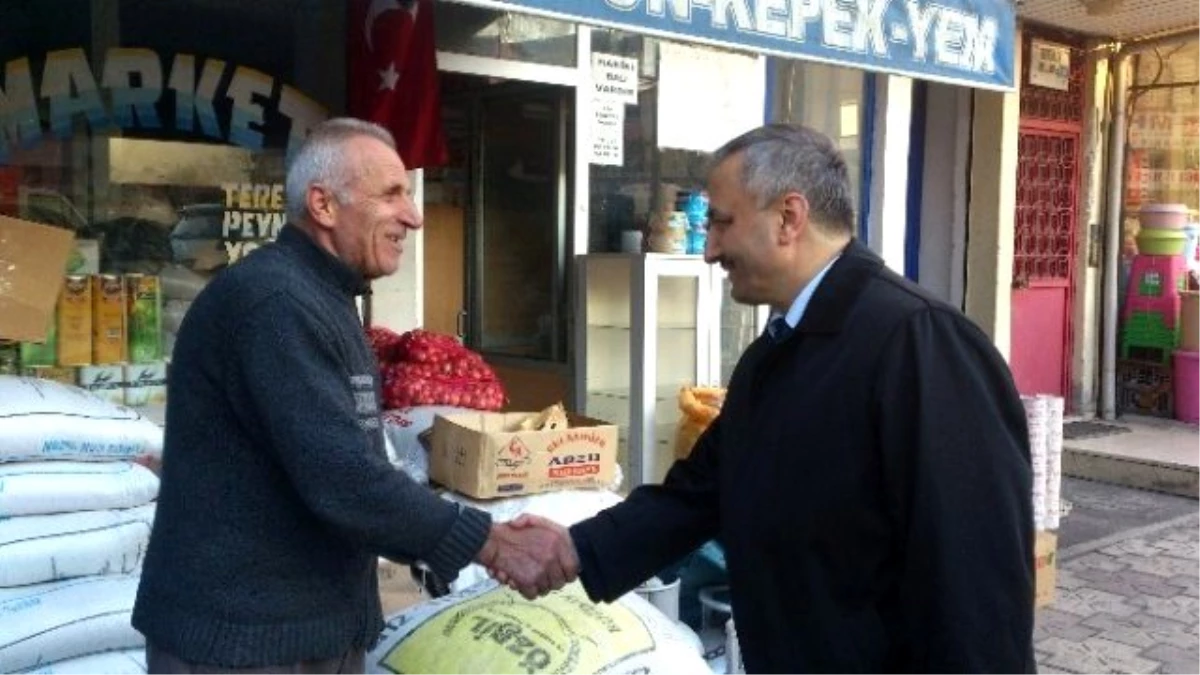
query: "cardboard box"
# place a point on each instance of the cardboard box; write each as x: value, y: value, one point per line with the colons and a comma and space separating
x: 32, y: 260
x: 478, y: 455
x: 75, y: 321
x: 106, y: 382
x: 1045, y: 557
x: 64, y: 375
x: 146, y: 384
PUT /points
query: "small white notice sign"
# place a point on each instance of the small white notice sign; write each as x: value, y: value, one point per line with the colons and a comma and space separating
x: 1049, y: 65
x: 614, y: 78
x: 608, y: 133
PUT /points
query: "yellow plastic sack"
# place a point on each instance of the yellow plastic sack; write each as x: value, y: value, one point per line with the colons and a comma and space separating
x: 698, y: 407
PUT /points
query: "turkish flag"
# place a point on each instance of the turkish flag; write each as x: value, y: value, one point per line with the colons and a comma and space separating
x: 393, y: 78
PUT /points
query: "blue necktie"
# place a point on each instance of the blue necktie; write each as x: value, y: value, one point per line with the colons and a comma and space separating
x: 779, y: 329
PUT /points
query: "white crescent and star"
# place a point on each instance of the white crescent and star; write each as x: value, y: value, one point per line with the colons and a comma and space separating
x: 378, y: 7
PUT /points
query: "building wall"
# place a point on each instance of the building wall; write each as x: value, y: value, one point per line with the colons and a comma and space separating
x: 1088, y: 276
x: 944, y: 192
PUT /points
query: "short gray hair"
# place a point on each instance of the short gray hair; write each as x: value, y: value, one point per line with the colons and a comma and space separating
x: 321, y: 159
x: 783, y: 158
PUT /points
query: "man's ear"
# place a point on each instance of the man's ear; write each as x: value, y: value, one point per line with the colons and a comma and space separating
x: 322, y: 205
x: 794, y: 210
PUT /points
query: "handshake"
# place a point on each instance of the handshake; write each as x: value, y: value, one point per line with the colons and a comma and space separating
x: 531, y: 555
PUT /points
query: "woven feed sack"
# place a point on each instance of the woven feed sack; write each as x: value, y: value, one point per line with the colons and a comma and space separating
x: 38, y: 488
x: 124, y: 662
x: 491, y: 629
x: 37, y: 549
x: 43, y: 420
x: 53, y: 622
x: 565, y: 507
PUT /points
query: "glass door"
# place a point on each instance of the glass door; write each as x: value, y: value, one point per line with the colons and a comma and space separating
x: 517, y: 239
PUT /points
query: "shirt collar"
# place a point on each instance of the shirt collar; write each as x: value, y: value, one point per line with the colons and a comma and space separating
x: 796, y: 311
x: 328, y: 267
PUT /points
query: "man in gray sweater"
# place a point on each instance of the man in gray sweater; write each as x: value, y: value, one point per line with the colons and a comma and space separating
x: 277, y: 497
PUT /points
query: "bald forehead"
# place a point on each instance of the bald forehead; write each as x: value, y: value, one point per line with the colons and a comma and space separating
x: 371, y: 158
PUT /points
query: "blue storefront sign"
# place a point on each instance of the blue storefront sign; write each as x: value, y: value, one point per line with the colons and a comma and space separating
x: 967, y: 42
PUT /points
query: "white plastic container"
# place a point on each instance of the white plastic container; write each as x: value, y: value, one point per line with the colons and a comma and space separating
x: 1163, y: 216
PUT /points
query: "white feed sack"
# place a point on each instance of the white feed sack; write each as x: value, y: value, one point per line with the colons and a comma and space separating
x: 565, y: 507
x: 44, y: 420
x: 125, y: 662
x: 37, y: 549
x: 53, y: 622
x: 491, y: 629
x: 34, y: 488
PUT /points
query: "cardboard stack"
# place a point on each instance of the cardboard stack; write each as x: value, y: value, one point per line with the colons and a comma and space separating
x: 1044, y: 417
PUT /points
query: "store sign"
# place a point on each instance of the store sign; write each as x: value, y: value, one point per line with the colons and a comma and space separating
x: 966, y: 42
x: 614, y: 78
x: 1049, y: 65
x: 135, y: 85
x: 254, y: 215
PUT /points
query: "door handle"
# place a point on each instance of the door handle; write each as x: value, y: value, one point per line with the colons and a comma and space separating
x: 461, y: 327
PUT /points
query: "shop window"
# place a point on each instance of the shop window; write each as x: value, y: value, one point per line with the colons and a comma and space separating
x: 465, y: 29
x: 158, y: 132
x: 648, y: 181
x: 828, y: 99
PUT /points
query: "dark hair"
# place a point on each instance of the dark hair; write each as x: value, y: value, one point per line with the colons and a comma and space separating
x: 783, y: 158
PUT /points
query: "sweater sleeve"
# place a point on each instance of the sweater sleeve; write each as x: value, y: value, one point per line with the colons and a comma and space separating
x: 302, y: 395
x: 957, y: 477
x: 630, y: 542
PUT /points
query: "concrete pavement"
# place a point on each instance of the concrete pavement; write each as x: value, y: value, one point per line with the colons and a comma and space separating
x: 1127, y: 595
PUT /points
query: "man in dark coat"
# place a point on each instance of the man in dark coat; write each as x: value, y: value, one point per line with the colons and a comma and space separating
x: 869, y: 474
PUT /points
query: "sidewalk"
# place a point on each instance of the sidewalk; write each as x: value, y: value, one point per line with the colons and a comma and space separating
x: 1125, y: 605
x: 1145, y: 452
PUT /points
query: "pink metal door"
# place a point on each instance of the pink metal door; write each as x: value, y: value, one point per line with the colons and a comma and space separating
x: 1045, y: 233
x: 1044, y: 261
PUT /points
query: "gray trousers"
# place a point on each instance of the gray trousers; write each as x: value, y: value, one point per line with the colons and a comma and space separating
x: 159, y: 661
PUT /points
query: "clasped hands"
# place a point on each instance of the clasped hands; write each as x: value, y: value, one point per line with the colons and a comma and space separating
x: 531, y: 555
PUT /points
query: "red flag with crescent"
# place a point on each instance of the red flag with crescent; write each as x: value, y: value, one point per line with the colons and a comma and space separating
x: 393, y: 78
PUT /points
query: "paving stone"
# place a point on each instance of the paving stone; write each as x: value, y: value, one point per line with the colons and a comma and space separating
x: 1068, y: 579
x: 1184, y: 534
x: 1188, y: 656
x: 1043, y: 669
x: 1096, y: 655
x: 1089, y: 601
x: 1146, y: 638
x: 1139, y: 620
x: 1098, y: 561
x: 1188, y: 550
x: 1189, y: 584
x: 1050, y: 622
x: 1130, y: 583
x: 1162, y: 565
x: 1180, y: 608
x: 1136, y: 546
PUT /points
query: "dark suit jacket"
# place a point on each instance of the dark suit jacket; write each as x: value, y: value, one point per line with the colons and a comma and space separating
x: 869, y: 477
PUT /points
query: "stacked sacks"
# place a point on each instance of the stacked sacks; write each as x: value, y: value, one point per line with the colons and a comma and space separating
x: 75, y: 518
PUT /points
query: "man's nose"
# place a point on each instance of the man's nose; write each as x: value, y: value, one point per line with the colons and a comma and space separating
x: 411, y: 215
x: 712, y: 248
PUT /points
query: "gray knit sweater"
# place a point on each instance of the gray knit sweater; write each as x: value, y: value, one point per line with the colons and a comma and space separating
x: 277, y: 496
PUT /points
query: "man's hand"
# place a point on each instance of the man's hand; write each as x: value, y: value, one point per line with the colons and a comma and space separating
x: 531, y: 555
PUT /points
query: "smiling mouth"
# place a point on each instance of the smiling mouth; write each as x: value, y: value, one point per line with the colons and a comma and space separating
x: 395, y: 239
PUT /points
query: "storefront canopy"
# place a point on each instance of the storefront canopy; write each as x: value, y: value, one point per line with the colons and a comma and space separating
x: 967, y: 42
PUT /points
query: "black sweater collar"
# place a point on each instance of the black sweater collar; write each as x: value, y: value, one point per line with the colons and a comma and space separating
x: 325, y: 264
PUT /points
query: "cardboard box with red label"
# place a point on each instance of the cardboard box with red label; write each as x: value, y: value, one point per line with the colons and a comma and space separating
x: 486, y: 455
